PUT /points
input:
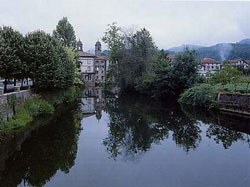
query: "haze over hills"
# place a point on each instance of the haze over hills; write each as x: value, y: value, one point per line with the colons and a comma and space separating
x: 221, y: 51
x: 183, y: 47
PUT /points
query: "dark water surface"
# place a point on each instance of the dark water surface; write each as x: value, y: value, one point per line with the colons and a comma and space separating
x: 128, y: 142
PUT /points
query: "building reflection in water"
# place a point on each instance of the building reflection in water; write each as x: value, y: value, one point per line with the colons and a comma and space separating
x: 92, y: 102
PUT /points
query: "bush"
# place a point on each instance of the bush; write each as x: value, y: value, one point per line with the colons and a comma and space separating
x: 21, y: 119
x: 33, y: 107
x: 203, y: 95
x: 63, y: 96
x: 36, y: 106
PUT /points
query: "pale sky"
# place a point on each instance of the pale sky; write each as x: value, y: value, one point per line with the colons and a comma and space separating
x: 171, y: 23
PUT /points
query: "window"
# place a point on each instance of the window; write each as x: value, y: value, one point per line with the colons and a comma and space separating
x: 89, y: 68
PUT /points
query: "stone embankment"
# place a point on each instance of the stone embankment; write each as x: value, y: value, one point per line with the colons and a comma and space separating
x: 236, y: 103
x: 10, y: 102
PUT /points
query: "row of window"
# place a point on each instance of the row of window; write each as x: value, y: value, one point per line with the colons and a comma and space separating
x: 102, y: 77
x: 98, y: 72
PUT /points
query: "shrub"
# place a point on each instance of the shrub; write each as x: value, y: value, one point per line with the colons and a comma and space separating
x: 21, y: 119
x: 37, y: 106
x: 203, y: 95
x: 33, y: 107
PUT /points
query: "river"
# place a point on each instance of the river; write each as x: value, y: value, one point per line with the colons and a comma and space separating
x: 110, y: 141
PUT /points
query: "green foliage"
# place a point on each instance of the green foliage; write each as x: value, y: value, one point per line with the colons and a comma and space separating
x: 169, y: 78
x: 33, y: 107
x: 203, y: 95
x: 65, y: 33
x: 37, y: 106
x: 49, y: 63
x: 73, y: 58
x: 184, y: 70
x: 21, y: 119
x: 114, y: 39
x: 228, y: 74
x: 145, y: 83
x: 38, y: 56
x: 11, y: 52
x: 130, y: 56
x: 63, y: 96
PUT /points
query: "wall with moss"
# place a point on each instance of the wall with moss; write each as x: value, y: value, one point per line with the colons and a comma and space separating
x: 236, y: 103
x: 9, y: 103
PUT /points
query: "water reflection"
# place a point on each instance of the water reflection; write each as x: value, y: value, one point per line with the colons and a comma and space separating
x: 93, y: 101
x: 50, y: 148
x: 136, y: 124
x: 33, y: 157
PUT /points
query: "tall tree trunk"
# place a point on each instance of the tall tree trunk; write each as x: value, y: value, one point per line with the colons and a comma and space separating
x: 22, y: 83
x: 14, y: 82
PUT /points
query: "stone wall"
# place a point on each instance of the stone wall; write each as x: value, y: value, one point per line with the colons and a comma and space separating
x: 237, y: 103
x: 10, y: 102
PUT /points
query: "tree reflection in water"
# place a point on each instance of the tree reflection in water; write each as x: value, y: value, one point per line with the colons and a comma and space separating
x: 135, y: 125
x: 52, y: 147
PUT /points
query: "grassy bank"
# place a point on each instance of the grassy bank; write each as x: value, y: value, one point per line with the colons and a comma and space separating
x: 203, y: 95
x: 40, y: 105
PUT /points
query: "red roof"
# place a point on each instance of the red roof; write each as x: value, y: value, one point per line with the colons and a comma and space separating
x: 170, y: 56
x: 208, y: 60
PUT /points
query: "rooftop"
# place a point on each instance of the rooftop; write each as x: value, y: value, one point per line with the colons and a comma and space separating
x: 84, y: 54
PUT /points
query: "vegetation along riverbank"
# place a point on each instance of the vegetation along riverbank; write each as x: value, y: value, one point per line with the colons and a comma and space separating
x: 49, y: 61
x: 138, y: 66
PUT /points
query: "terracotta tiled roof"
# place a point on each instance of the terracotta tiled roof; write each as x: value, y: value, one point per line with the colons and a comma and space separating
x: 234, y: 61
x: 84, y: 54
x: 209, y: 61
x: 171, y: 57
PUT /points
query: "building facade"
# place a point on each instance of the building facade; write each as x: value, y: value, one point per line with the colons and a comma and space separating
x: 93, y: 102
x: 93, y: 67
x: 209, y: 65
x: 239, y: 63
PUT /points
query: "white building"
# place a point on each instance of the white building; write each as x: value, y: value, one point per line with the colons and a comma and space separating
x: 239, y: 63
x: 209, y: 65
x: 93, y: 67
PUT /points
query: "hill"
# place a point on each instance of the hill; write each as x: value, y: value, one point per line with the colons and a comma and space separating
x: 226, y: 51
x: 221, y: 51
x: 183, y: 47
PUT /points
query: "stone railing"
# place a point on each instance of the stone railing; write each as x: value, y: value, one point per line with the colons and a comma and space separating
x: 237, y: 103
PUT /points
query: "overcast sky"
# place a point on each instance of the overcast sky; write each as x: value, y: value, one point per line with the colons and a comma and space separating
x: 170, y: 23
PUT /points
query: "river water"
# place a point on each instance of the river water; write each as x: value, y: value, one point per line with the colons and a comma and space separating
x: 110, y: 141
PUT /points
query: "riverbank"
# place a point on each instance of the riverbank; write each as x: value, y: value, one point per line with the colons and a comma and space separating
x: 25, y: 108
x: 212, y: 98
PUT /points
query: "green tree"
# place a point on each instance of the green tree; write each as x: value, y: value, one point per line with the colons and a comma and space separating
x: 11, y: 43
x: 147, y: 83
x: 181, y: 74
x: 65, y: 33
x: 184, y: 70
x: 228, y: 74
x: 49, y: 65
x: 72, y: 55
x: 113, y: 37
